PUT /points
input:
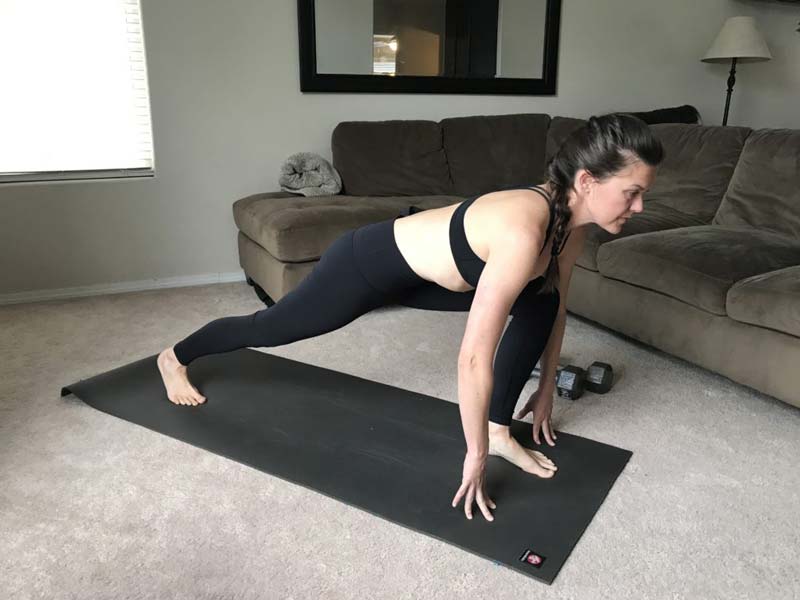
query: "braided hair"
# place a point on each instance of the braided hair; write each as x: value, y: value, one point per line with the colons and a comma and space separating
x: 603, y: 146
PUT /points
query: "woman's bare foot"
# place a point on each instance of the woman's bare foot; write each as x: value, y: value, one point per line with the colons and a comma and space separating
x: 502, y: 444
x: 176, y: 380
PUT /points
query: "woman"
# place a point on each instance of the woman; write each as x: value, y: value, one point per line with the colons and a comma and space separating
x: 509, y: 252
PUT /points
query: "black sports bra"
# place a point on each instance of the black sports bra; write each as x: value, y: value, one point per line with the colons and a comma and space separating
x: 469, y: 264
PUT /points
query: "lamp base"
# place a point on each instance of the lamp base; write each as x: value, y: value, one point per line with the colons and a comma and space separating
x: 731, y: 83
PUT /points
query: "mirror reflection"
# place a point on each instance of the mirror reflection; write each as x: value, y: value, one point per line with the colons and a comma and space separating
x: 435, y: 38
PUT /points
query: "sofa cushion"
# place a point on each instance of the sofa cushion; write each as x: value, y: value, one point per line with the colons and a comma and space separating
x: 390, y: 158
x: 696, y: 264
x: 654, y: 217
x: 490, y: 152
x: 698, y: 165
x: 765, y: 189
x: 768, y: 300
x: 298, y: 228
x: 559, y: 130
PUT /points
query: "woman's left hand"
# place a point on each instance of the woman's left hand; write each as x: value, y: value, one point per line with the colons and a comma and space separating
x: 541, y: 404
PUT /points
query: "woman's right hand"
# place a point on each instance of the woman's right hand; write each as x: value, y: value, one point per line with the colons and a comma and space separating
x: 472, y: 484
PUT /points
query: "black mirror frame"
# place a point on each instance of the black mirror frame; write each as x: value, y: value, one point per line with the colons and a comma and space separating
x: 311, y: 81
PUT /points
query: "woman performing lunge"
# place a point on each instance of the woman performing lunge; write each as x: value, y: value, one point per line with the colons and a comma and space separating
x: 499, y: 254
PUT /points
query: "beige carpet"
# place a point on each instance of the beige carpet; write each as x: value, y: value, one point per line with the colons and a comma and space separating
x: 92, y: 506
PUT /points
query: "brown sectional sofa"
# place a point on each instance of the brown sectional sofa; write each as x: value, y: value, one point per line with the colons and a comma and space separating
x: 709, y: 271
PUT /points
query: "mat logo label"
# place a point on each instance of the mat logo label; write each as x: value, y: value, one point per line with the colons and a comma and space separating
x: 533, y: 559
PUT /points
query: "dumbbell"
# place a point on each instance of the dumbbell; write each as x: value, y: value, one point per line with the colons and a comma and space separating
x: 571, y: 381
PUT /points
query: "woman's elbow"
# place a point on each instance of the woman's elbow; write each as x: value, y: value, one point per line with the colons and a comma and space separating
x: 474, y: 360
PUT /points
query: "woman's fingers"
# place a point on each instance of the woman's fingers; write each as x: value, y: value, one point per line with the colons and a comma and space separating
x: 548, y: 432
x: 536, y: 427
x: 459, y: 493
x: 544, y: 424
x: 482, y: 503
x: 468, y: 502
x: 487, y: 515
x: 481, y: 499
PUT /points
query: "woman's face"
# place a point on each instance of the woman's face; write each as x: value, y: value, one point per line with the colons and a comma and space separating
x: 614, y: 200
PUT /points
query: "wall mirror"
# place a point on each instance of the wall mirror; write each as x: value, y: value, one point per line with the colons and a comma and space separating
x: 429, y: 46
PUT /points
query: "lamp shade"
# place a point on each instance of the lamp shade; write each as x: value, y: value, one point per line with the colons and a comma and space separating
x: 739, y: 38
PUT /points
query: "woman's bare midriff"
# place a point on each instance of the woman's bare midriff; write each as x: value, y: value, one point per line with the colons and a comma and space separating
x: 424, y: 237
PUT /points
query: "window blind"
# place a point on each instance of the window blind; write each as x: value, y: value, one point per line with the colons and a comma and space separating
x: 74, y: 102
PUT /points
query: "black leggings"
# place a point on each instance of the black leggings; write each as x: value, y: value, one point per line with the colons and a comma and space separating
x: 362, y: 270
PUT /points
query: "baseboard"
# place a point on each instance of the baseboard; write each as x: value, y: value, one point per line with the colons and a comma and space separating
x: 121, y: 287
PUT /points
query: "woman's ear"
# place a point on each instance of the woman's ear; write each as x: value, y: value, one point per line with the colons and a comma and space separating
x: 584, y: 181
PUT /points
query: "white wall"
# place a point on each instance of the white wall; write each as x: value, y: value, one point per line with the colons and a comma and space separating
x: 227, y: 111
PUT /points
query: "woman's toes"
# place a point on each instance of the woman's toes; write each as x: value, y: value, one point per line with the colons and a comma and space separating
x: 540, y: 470
x: 541, y: 456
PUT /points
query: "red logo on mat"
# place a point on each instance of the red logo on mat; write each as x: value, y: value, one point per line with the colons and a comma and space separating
x: 530, y: 557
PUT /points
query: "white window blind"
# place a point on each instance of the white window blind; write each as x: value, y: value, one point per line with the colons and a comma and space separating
x: 74, y: 101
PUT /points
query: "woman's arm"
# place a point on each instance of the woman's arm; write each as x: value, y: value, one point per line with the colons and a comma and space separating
x: 550, y: 355
x: 508, y: 270
x: 552, y: 351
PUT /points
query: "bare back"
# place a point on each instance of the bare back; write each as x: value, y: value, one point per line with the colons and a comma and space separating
x: 424, y: 237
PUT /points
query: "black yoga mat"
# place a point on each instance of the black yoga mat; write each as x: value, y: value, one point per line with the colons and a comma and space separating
x: 394, y: 453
